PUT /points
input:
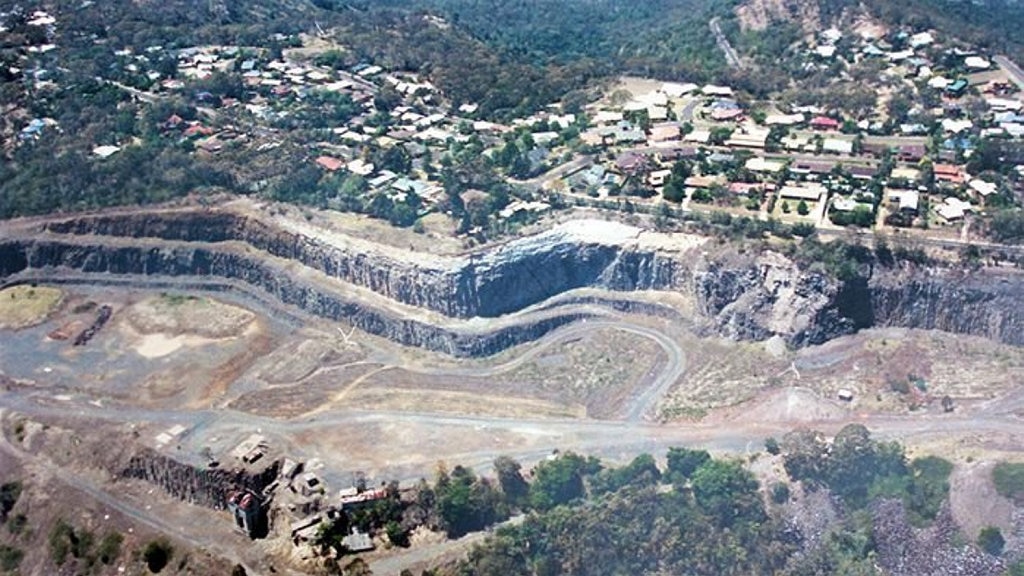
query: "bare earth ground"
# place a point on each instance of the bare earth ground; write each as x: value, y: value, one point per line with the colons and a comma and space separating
x: 193, y: 376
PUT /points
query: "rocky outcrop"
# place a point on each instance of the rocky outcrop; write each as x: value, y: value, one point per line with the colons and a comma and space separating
x: 208, y: 487
x: 769, y: 295
x: 488, y: 284
x: 383, y: 290
x: 289, y: 288
x: 982, y: 302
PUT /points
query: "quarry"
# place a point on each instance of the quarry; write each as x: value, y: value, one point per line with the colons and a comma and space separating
x: 270, y: 369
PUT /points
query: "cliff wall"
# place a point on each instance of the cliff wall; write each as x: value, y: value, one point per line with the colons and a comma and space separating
x: 203, y: 487
x: 749, y: 297
x: 495, y: 282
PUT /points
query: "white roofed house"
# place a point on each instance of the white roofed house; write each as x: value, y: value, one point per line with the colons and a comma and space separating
x: 837, y: 146
x: 806, y: 192
x: 748, y: 137
x: 712, y: 90
x: 658, y: 177
x: 983, y: 188
x: 953, y: 209
x: 758, y: 164
x: 784, y: 119
x: 904, y: 200
x: 977, y: 63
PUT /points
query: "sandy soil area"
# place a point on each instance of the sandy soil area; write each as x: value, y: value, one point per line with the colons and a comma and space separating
x: 23, y: 305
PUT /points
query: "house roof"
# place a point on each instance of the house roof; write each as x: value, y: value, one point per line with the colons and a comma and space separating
x: 824, y: 122
x: 663, y: 132
x: 330, y: 164
x: 806, y: 192
x: 813, y: 167
x: 907, y: 199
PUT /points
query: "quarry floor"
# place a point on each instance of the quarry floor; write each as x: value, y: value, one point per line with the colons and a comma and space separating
x: 193, y: 373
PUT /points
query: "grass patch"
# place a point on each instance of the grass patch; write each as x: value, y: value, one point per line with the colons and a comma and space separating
x: 110, y: 547
x: 10, y: 558
x: 1009, y: 480
x: 25, y: 305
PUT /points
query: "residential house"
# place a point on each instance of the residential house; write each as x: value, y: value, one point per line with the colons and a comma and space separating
x: 632, y: 163
x: 712, y: 90
x: 825, y: 123
x: 667, y: 132
x: 811, y: 167
x: 676, y: 153
x: 904, y: 200
x: 784, y: 119
x: 911, y: 152
x: 983, y: 188
x: 330, y: 164
x: 948, y: 173
x: 837, y: 146
x: 758, y: 164
x: 904, y: 174
x: 862, y: 172
x: 953, y: 209
x: 876, y: 149
x: 957, y: 88
x: 658, y: 177
x: 806, y: 192
x: 748, y: 137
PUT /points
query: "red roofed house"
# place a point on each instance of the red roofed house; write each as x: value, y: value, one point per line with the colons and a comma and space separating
x: 173, y: 122
x: 330, y: 164
x: 198, y: 130
x: 825, y: 123
x: 948, y: 173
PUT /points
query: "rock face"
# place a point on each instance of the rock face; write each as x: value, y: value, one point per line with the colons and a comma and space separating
x: 204, y: 487
x: 984, y: 303
x: 384, y: 290
x: 511, y: 277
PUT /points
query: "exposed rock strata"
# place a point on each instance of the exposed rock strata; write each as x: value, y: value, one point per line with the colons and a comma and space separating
x: 203, y: 487
x: 381, y: 290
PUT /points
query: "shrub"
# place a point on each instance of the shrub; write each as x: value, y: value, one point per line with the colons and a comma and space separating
x: 10, y: 558
x: 110, y: 547
x: 991, y: 540
x: 157, y: 554
x: 1009, y: 479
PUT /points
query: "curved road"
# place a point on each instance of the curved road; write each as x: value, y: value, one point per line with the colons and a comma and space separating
x: 475, y: 440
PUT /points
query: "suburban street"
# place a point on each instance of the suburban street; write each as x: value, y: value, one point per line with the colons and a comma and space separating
x: 1012, y: 70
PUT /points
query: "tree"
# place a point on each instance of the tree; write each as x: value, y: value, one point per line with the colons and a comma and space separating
x: 396, y: 534
x: 683, y: 462
x: 991, y: 540
x: 560, y: 480
x: 510, y: 479
x: 157, y: 554
x: 642, y: 471
x: 727, y: 492
x: 771, y: 445
x: 780, y: 493
x: 238, y: 570
x: 802, y: 208
x: 467, y: 503
x: 674, y: 191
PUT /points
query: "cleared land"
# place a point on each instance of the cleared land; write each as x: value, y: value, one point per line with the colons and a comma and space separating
x: 23, y: 305
x: 166, y: 366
